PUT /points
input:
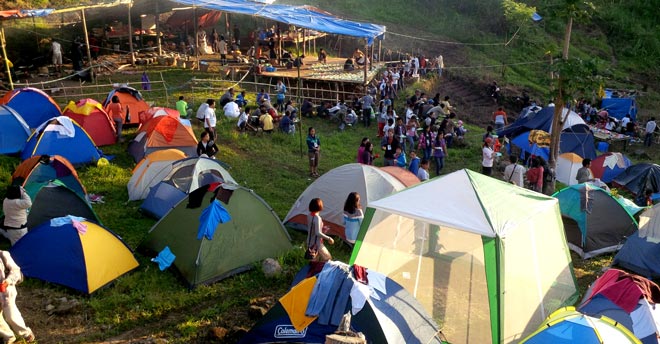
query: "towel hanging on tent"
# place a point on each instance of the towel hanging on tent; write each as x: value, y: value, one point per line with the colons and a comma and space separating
x: 211, y: 217
x: 164, y: 258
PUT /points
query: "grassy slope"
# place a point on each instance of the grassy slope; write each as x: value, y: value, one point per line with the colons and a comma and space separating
x: 148, y: 301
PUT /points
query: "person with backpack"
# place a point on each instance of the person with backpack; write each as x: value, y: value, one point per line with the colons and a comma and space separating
x: 281, y: 95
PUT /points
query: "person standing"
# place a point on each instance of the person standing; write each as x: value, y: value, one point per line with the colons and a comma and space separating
x: 281, y: 95
x: 116, y: 111
x: 367, y: 103
x: 439, y: 151
x: 488, y: 157
x: 15, y: 207
x: 11, y: 320
x: 584, y: 174
x: 56, y: 50
x: 535, y: 176
x: 499, y: 117
x: 210, y: 120
x: 182, y: 107
x: 353, y: 217
x: 513, y: 173
x: 313, y: 151
x: 222, y: 49
x: 649, y: 130
x: 315, y: 235
x: 389, y: 144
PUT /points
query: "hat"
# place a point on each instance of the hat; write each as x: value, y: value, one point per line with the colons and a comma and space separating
x: 431, y: 102
x: 488, y: 140
x: 460, y: 122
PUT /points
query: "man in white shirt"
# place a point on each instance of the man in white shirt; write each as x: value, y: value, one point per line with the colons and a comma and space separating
x: 649, y: 130
x: 209, y: 118
x: 201, y: 111
x: 423, y: 172
x: 624, y: 121
x: 513, y: 173
x: 56, y: 49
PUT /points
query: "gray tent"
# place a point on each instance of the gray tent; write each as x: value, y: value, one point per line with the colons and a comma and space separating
x: 595, y: 222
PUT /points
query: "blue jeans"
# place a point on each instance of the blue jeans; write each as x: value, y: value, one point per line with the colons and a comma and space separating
x: 366, y: 117
x: 439, y: 164
x: 648, y: 139
x: 427, y: 153
x: 118, y: 124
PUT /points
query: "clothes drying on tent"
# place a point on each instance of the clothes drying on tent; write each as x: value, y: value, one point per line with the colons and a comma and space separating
x: 43, y: 169
x: 33, y: 104
x: 609, y: 165
x: 641, y: 251
x: 150, y: 171
x: 163, y: 132
x: 13, y: 131
x: 91, y: 116
x: 488, y: 235
x: 628, y: 299
x: 56, y: 199
x: 594, y: 221
x: 62, y: 136
x: 254, y: 233
x: 61, y: 254
x: 333, y: 187
x: 131, y: 98
x: 184, y: 176
x: 567, y: 326
x: 388, y: 315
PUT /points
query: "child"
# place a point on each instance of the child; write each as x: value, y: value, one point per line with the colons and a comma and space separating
x: 423, y: 173
x: 400, y: 157
x: 243, y: 119
x: 388, y: 126
x: 414, y: 163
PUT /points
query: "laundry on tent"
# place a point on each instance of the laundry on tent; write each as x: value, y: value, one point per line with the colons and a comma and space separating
x: 62, y: 136
x: 254, y: 233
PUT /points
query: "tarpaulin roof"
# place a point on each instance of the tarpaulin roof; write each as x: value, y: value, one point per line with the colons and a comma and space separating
x: 301, y: 16
x: 25, y: 13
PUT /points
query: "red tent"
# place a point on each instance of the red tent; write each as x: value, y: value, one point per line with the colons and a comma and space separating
x: 97, y: 123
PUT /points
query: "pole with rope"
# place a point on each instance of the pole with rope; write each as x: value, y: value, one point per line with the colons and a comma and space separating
x: 130, y: 34
x: 298, y: 94
x: 89, y: 53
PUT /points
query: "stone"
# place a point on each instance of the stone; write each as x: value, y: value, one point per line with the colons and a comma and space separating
x: 256, y: 312
x: 271, y: 268
x: 219, y: 333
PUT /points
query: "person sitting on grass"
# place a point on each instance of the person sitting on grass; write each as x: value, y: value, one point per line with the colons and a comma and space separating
x: 423, y: 172
x: 266, y: 121
x: 206, y: 147
x: 286, y: 124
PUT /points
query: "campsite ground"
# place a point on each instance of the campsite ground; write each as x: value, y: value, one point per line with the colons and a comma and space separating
x: 147, y: 305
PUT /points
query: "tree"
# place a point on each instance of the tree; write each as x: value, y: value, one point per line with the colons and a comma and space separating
x: 517, y: 15
x: 572, y: 75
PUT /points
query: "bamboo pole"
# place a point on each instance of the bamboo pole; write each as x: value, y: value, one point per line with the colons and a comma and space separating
x: 366, y: 51
x: 3, y: 42
x: 130, y: 34
x: 158, y: 43
x: 89, y: 53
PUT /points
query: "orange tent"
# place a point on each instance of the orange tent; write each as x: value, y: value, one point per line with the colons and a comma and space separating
x: 131, y: 98
x: 97, y: 123
x: 162, y: 133
x: 157, y: 112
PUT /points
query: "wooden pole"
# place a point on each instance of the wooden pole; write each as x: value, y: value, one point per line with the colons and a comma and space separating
x: 130, y: 34
x: 300, y: 129
x: 303, y: 40
x: 3, y: 42
x: 89, y: 53
x: 158, y: 43
x: 366, y: 65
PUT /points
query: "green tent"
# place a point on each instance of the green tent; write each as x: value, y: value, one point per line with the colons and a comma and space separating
x: 487, y: 259
x: 253, y: 233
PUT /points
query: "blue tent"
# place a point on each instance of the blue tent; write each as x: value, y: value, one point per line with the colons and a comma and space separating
x: 300, y: 16
x: 541, y: 120
x: 640, y: 255
x: 32, y: 104
x: 13, y: 131
x: 397, y: 317
x: 640, y: 177
x: 577, y: 139
x: 161, y: 198
x: 619, y: 107
x: 62, y: 136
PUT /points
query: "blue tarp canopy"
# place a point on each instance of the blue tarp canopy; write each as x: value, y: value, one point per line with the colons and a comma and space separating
x: 300, y: 16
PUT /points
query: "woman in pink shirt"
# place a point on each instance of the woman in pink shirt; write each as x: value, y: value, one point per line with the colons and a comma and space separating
x: 116, y: 111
